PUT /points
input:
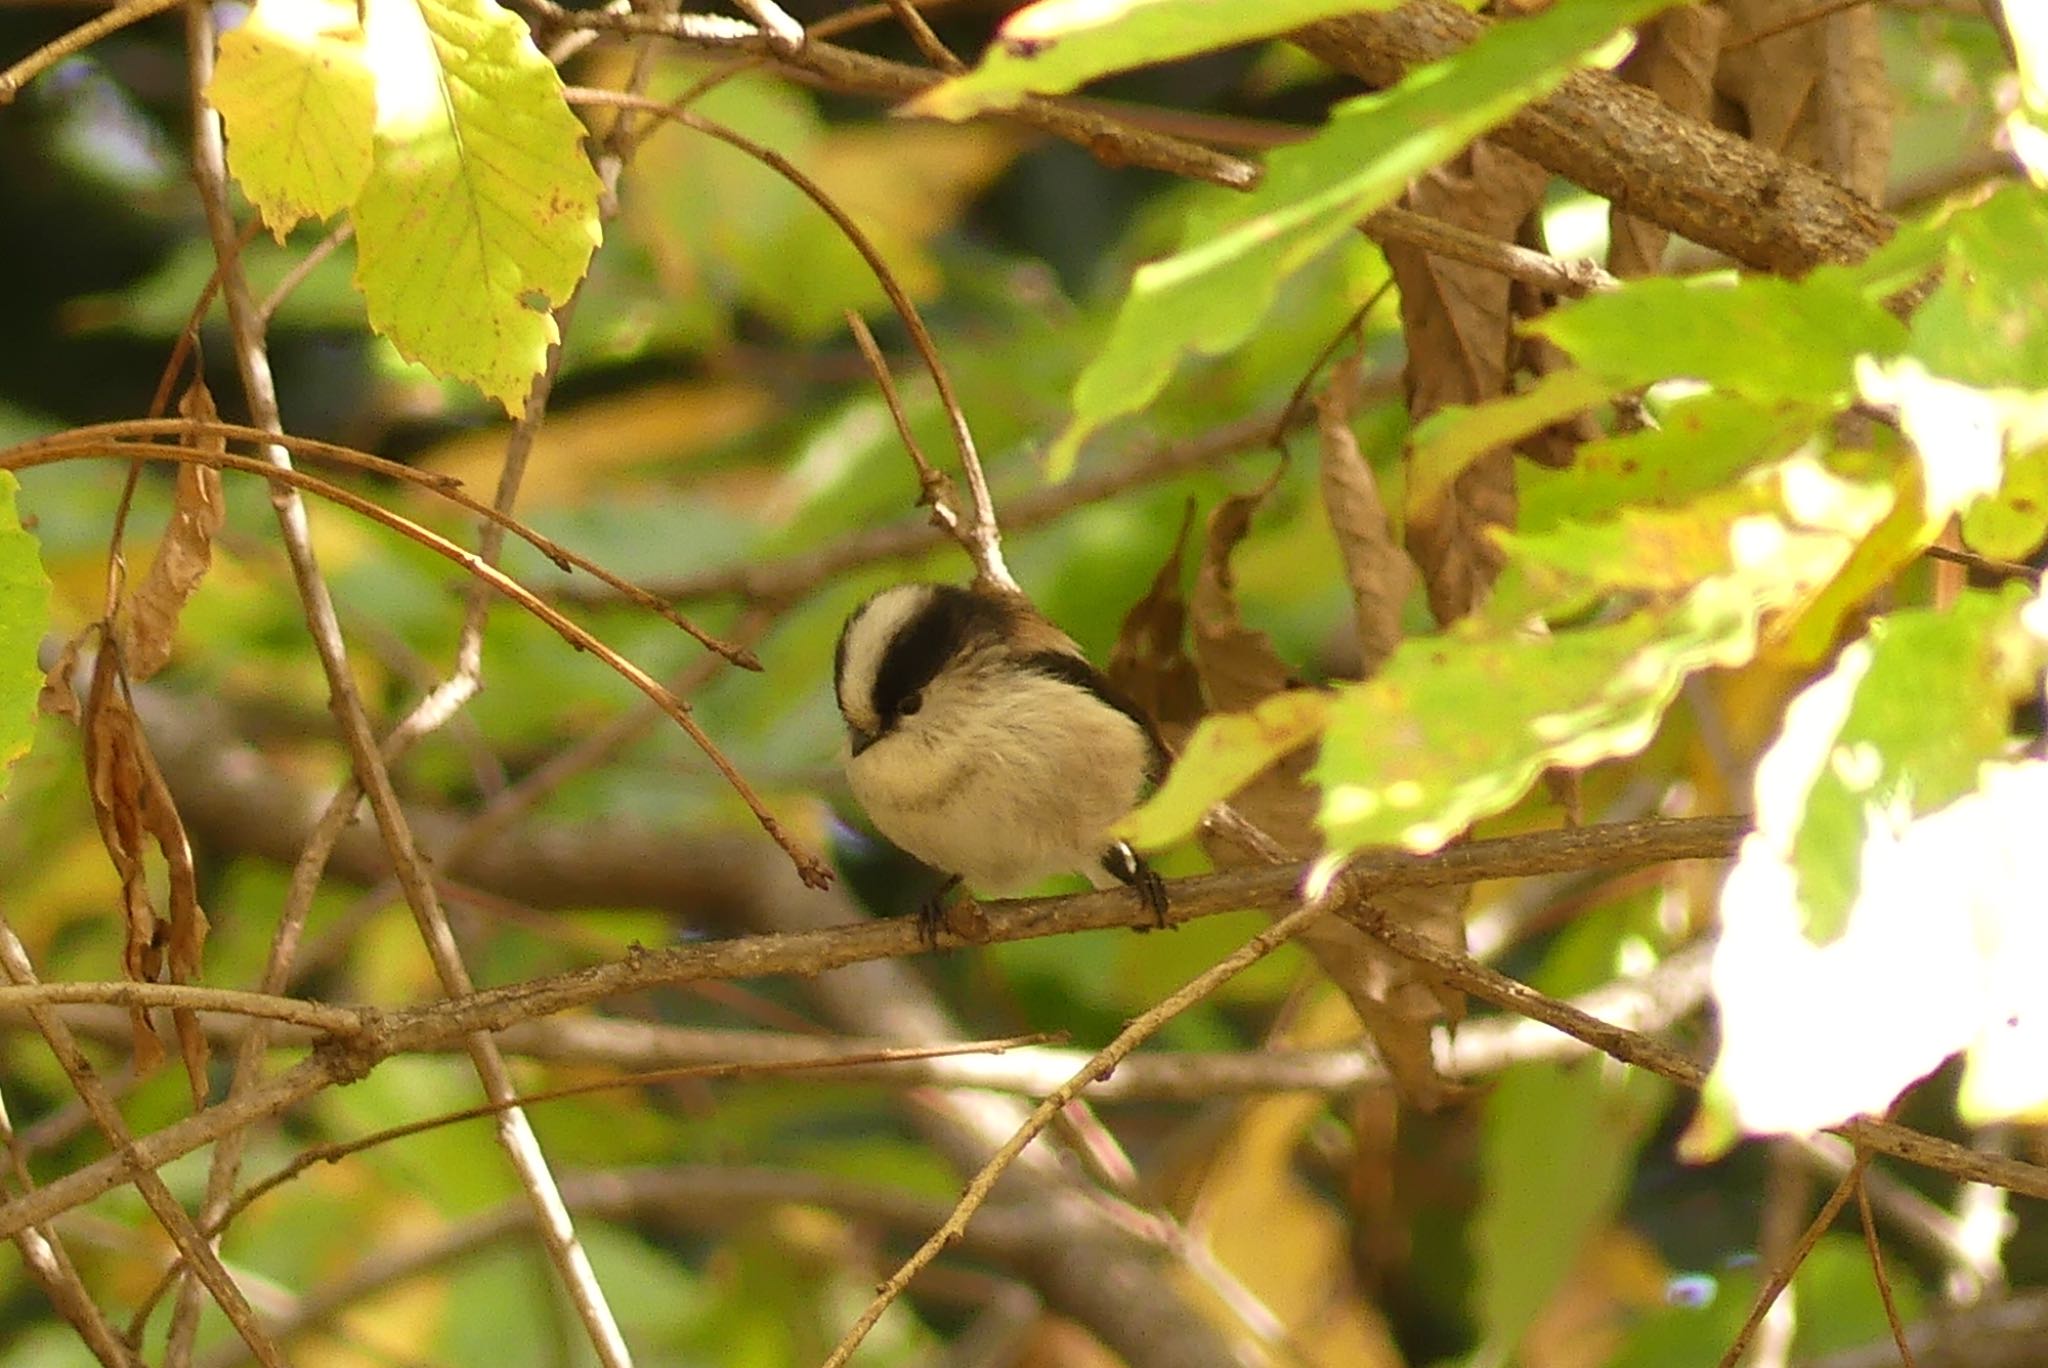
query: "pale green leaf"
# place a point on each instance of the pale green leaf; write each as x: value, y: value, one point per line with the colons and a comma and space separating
x: 295, y: 90
x: 24, y: 617
x: 1664, y: 552
x: 1896, y: 729
x: 480, y: 213
x: 1226, y: 752
x: 1455, y: 728
x: 1452, y: 438
x: 1700, y: 443
x: 1053, y: 46
x: 1237, y: 249
x: 1987, y: 324
x: 2013, y: 521
x: 1764, y: 338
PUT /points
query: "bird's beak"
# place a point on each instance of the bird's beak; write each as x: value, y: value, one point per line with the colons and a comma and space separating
x: 858, y: 740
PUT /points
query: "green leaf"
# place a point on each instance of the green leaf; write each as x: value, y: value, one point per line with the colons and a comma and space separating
x: 1701, y: 442
x: 1452, y: 438
x: 480, y: 212
x: 1988, y: 322
x: 1055, y: 45
x: 1237, y: 249
x: 1764, y: 338
x: 1457, y: 727
x: 2014, y: 519
x: 1665, y: 552
x: 295, y: 90
x: 1896, y: 729
x: 1556, y: 1147
x: 1893, y: 861
x: 1226, y: 752
x: 24, y: 617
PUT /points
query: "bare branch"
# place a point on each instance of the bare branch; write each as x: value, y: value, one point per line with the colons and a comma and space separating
x: 859, y: 74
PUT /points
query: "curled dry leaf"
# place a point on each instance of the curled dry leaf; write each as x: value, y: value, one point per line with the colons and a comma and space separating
x: 1674, y: 59
x: 1150, y: 661
x: 1398, y: 1005
x: 149, y: 620
x: 59, y: 694
x: 1378, y: 570
x: 133, y: 807
x: 1458, y: 322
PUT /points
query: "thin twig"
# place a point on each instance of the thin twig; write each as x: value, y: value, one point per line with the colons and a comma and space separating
x: 784, y: 33
x: 333, y: 1152
x: 813, y: 870
x: 113, y: 438
x: 156, y: 1194
x: 314, y: 1016
x: 935, y: 51
x: 1127, y: 1040
x: 44, y: 1256
x: 1478, y: 1048
x: 302, y: 268
x: 793, y: 577
x: 1629, y: 1047
x: 1572, y: 277
x: 1884, y: 1282
x: 77, y: 40
x: 1781, y: 1276
x: 857, y: 73
x: 514, y: 1133
x: 2002, y: 569
x: 811, y: 953
x: 981, y: 536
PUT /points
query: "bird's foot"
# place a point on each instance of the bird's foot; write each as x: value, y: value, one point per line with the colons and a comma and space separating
x: 1127, y: 865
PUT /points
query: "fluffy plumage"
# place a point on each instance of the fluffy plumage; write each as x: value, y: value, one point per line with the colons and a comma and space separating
x: 981, y: 740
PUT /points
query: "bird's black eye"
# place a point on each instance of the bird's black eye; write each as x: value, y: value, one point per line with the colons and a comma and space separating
x: 909, y: 706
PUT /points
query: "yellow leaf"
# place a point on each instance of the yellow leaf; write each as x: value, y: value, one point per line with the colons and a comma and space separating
x: 480, y: 211
x: 295, y: 90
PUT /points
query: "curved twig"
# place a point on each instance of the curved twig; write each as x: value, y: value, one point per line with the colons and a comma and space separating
x: 97, y: 435
x: 809, y: 867
x: 979, y: 535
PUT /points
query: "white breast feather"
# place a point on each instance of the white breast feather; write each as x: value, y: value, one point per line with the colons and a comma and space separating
x: 1003, y: 780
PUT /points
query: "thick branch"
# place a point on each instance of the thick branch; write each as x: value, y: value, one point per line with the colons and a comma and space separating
x: 1625, y: 143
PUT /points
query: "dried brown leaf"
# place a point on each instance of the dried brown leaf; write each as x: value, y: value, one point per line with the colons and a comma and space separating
x: 1814, y: 92
x: 134, y: 810
x: 149, y: 623
x: 1237, y: 664
x: 1674, y: 59
x: 1150, y: 661
x: 59, y: 694
x: 1239, y: 667
x: 1378, y: 570
x: 1399, y: 1002
x: 1458, y: 322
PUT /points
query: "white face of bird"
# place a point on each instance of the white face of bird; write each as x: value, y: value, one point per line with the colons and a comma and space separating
x: 979, y: 738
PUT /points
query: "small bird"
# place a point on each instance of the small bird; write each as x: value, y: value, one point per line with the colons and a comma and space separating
x: 981, y: 741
